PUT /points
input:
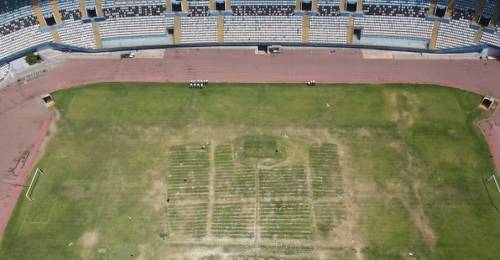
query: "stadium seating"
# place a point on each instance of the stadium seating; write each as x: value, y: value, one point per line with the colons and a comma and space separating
x: 329, y: 2
x: 465, y: 4
x: 491, y: 38
x: 328, y: 10
x: 394, y: 27
x: 396, y: 10
x: 133, y: 11
x: 199, y: 29
x: 421, y: 3
x: 455, y: 34
x: 114, y: 3
x: 4, y: 71
x: 77, y: 34
x: 328, y: 29
x: 134, y: 26
x: 251, y: 20
x: 23, y: 39
x: 263, y: 28
x: 489, y: 8
x: 263, y: 10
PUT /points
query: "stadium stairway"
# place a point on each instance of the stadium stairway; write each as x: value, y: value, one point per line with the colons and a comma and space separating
x: 55, y: 35
x: 185, y: 6
x: 98, y: 7
x: 314, y: 6
x: 496, y: 16
x: 449, y: 9
x: 97, y: 35
x: 432, y: 7
x: 478, y: 36
x: 479, y: 10
x: 168, y: 6
x: 55, y: 11
x: 211, y: 5
x: 306, y: 25
x: 298, y: 5
x: 177, y: 30
x: 220, y: 28
x: 229, y: 3
x: 342, y: 5
x: 83, y: 9
x: 359, y: 6
x: 350, y: 30
x: 434, y: 34
x: 39, y: 15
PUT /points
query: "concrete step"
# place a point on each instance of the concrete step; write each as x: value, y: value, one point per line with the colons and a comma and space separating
x: 350, y: 30
x: 38, y: 13
x: 55, y: 35
x: 177, y: 30
x: 98, y: 8
x: 496, y: 15
x: 211, y: 6
x: 97, y: 35
x: 168, y: 5
x: 479, y: 10
x: 55, y: 11
x: 449, y: 9
x: 220, y: 28
x: 83, y: 9
x: 478, y: 36
x: 306, y: 25
x: 434, y: 34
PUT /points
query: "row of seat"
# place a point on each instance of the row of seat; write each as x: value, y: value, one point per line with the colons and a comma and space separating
x: 396, y: 10
x: 135, y: 26
x: 263, y: 10
x: 263, y: 28
x: 328, y: 29
x: 393, y: 27
x: 199, y: 29
x: 409, y: 8
x: 77, y: 34
x: 4, y: 71
x: 243, y: 28
x: 455, y: 34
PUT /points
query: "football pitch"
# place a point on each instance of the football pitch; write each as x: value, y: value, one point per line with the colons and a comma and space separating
x: 256, y: 171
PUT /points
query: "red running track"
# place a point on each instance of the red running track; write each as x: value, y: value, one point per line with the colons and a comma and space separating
x: 24, y: 121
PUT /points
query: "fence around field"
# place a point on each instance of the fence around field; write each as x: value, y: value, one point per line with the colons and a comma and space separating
x: 69, y: 48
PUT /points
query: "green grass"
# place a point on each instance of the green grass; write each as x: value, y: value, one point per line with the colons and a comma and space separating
x: 384, y: 170
x: 262, y: 147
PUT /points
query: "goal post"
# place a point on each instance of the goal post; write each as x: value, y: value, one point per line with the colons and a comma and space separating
x: 38, y: 171
x: 493, y: 178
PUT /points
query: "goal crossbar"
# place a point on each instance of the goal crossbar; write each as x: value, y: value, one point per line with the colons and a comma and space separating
x: 33, y: 180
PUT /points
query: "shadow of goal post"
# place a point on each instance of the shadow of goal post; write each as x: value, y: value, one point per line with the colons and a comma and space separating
x: 38, y: 171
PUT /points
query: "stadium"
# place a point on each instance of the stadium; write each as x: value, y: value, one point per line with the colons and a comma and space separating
x: 249, y: 129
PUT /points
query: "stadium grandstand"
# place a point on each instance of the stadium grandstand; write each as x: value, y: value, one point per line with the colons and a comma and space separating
x: 101, y: 24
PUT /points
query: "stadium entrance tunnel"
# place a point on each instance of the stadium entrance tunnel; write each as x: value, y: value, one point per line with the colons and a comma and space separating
x: 176, y: 6
x: 220, y: 5
x: 91, y: 13
x: 351, y: 5
x: 484, y: 20
x: 440, y: 11
x: 357, y: 34
x: 306, y: 5
x: 50, y: 20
